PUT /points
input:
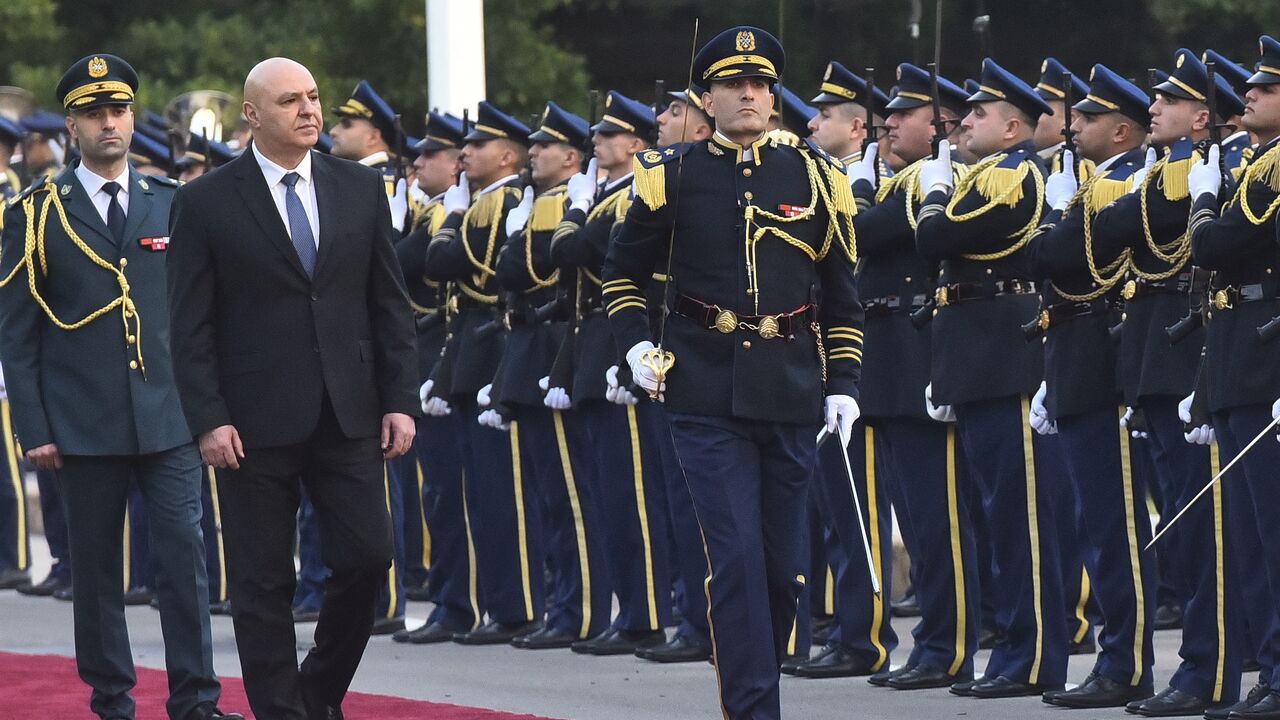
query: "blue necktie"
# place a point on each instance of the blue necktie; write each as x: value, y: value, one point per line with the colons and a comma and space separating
x: 304, y: 241
x: 115, y: 213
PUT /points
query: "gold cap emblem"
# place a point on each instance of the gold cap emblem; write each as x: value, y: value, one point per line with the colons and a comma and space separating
x: 746, y: 41
x: 97, y: 67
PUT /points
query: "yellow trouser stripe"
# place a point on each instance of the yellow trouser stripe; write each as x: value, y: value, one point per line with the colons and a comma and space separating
x: 877, y: 603
x: 15, y: 476
x: 422, y: 515
x: 1033, y: 527
x: 711, y: 625
x: 128, y: 547
x: 1135, y: 555
x: 522, y: 531
x: 829, y: 602
x: 957, y: 557
x: 1082, y: 628
x: 217, y: 531
x: 580, y: 529
x: 472, y: 593
x: 392, y: 597
x: 637, y: 470
x: 1219, y: 580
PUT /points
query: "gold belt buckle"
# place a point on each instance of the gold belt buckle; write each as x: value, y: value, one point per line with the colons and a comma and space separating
x: 1045, y: 321
x: 1130, y: 289
x: 726, y: 321
x: 768, y: 328
x: 1221, y: 300
x: 941, y: 296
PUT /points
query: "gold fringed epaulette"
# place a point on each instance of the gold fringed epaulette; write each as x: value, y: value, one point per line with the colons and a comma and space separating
x: 651, y: 183
x: 1105, y: 191
x: 486, y: 209
x: 1002, y: 185
x: 548, y: 211
x: 841, y: 192
x: 1266, y: 170
x: 780, y: 136
x: 1173, y: 177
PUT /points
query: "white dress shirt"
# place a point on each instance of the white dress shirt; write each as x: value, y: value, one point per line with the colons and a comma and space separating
x: 92, y: 183
x: 305, y: 189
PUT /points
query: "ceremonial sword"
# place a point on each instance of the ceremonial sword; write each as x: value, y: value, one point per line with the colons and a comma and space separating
x: 823, y: 436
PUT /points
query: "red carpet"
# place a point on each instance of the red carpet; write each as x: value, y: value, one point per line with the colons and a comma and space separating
x: 46, y: 687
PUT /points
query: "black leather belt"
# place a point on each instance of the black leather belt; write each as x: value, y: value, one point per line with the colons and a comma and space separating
x: 1062, y: 312
x: 1228, y: 297
x: 890, y: 304
x: 714, y: 317
x: 1137, y: 287
x: 953, y: 293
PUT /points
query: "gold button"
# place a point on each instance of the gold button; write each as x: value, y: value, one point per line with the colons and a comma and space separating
x: 1124, y: 316
x: 906, y: 279
x: 747, y: 195
x: 133, y: 339
x: 746, y: 344
x: 746, y: 172
x: 124, y: 262
x: 133, y: 364
x: 988, y: 271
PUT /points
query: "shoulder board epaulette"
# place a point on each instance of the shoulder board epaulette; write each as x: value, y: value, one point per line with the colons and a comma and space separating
x: 657, y: 156
x: 548, y: 210
x: 651, y: 175
x: 31, y: 189
x: 1001, y: 183
x: 813, y: 149
x: 1113, y: 184
x: 1265, y: 169
x: 1176, y: 169
x: 165, y: 180
x: 1012, y: 160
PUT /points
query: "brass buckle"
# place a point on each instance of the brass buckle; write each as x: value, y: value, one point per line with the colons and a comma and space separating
x: 941, y: 296
x: 726, y: 321
x: 1045, y: 321
x: 1221, y: 300
x: 768, y: 328
x: 1130, y: 290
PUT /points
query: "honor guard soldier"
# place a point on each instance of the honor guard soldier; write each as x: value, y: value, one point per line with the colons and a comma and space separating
x: 44, y: 149
x: 1238, y: 243
x: 745, y: 356
x: 861, y: 638
x: 451, y: 583
x: 366, y: 132
x: 201, y: 156
x: 502, y: 508
x: 15, y: 548
x: 1080, y: 397
x: 917, y: 452
x: 624, y: 437
x: 1238, y: 147
x: 99, y: 230
x: 1051, y: 129
x: 674, y: 128
x: 977, y: 227
x: 1148, y: 226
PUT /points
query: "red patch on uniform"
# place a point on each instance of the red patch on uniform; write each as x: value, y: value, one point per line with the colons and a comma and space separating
x: 154, y: 244
x: 792, y: 210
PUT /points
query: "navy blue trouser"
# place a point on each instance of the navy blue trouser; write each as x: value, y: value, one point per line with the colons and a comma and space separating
x: 749, y: 481
x: 555, y: 450
x: 54, y: 518
x: 408, y: 481
x: 1020, y: 511
x: 390, y: 602
x: 932, y: 507
x: 862, y: 616
x: 1114, y: 528
x: 1077, y: 595
x: 689, y: 560
x: 15, y: 544
x: 452, y: 583
x: 631, y: 489
x: 138, y: 572
x: 1200, y: 558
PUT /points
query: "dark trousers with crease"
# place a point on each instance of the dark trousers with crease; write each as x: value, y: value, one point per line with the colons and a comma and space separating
x: 408, y: 482
x: 343, y: 478
x: 95, y: 493
x: 686, y: 553
x: 15, y: 543
x: 452, y: 583
x: 749, y: 481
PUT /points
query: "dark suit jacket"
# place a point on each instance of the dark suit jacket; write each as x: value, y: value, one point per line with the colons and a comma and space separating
x: 76, y: 388
x: 257, y: 343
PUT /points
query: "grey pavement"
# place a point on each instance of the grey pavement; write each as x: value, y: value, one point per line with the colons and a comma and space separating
x: 558, y: 683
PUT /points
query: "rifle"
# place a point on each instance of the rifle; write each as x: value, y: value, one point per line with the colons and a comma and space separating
x: 939, y: 125
x: 659, y: 103
x: 1199, y: 293
x: 399, y: 150
x: 869, y: 103
x: 1069, y: 135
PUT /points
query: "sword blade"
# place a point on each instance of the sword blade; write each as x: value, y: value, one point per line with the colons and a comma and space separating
x: 857, y: 506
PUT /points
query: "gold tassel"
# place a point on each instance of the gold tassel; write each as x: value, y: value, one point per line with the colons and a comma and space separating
x: 841, y: 192
x: 1086, y: 169
x: 651, y: 184
x: 1266, y: 170
x: 1003, y: 184
x: 484, y: 209
x: 1173, y: 178
x: 1104, y: 192
x: 548, y: 210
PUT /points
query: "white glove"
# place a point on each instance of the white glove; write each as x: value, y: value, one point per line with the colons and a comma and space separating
x: 482, y: 397
x: 417, y: 194
x: 642, y: 375
x: 1062, y: 185
x: 399, y: 204
x: 1039, y: 417
x: 842, y: 413
x: 582, y: 187
x: 1275, y: 413
x: 866, y: 168
x: 1201, y: 434
x: 437, y: 407
x: 519, y: 214
x: 936, y: 173
x: 1206, y: 177
x: 458, y: 197
x: 493, y: 419
x: 941, y: 413
x: 557, y: 398
x: 4, y: 391
x: 1124, y: 423
x: 424, y: 392
x: 1141, y: 174
x: 615, y: 393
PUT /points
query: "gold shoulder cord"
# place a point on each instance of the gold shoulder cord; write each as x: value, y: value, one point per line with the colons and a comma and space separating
x: 486, y: 210
x: 1106, y: 277
x: 34, y: 246
x: 1008, y: 196
x: 1265, y: 170
x: 1176, y: 252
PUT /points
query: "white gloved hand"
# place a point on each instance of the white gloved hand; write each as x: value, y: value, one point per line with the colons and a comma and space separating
x: 399, y: 204
x: 1124, y: 423
x: 614, y: 392
x: 519, y: 215
x: 1275, y: 413
x: 1206, y: 177
x: 482, y: 397
x: 1141, y: 174
x: 936, y: 173
x: 642, y: 375
x: 493, y: 419
x: 842, y: 412
x: 582, y: 187
x: 1062, y: 185
x: 4, y: 391
x: 1184, y: 408
x: 424, y: 392
x: 941, y: 413
x: 867, y: 168
x: 437, y: 407
x: 1200, y: 434
x: 458, y: 197
x: 417, y: 194
x: 557, y: 398
x: 1039, y: 416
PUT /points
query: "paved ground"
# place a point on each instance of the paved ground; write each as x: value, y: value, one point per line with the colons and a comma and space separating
x: 557, y: 683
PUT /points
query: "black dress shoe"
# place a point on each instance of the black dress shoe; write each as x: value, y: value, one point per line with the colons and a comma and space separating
x: 418, y: 594
x: 209, y: 711
x: 305, y: 615
x: 1268, y: 708
x: 1170, y: 702
x: 908, y: 606
x: 680, y: 649
x: 988, y: 639
x: 615, y: 641
x: 1223, y: 712
x: 1167, y: 617
x: 837, y: 663
x: 13, y: 578
x: 429, y: 633
x: 387, y: 626
x: 140, y: 595
x: 548, y: 638
x: 496, y: 633
x: 881, y: 679
x: 1098, y: 692
x: 964, y: 688
x: 1003, y: 687
x: 789, y: 665
x: 922, y: 676
x: 44, y: 588
x: 64, y: 594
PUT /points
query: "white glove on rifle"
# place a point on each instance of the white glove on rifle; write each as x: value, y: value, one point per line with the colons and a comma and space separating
x: 1039, y: 417
x: 519, y: 215
x: 1206, y: 178
x: 458, y: 197
x: 941, y: 413
x: 1201, y: 434
x: 399, y: 204
x: 482, y: 397
x: 937, y: 173
x: 866, y: 168
x: 1062, y: 185
x: 582, y: 187
x: 1141, y: 174
x: 615, y: 393
x: 556, y: 398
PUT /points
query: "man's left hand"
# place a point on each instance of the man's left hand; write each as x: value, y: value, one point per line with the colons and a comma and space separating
x: 397, y: 435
